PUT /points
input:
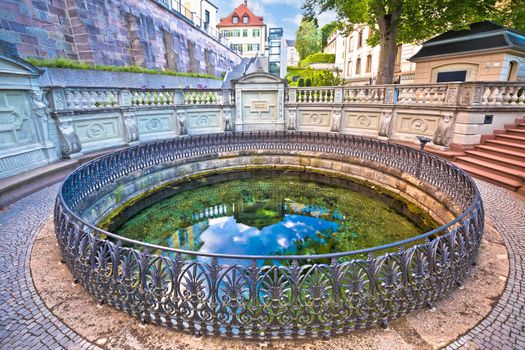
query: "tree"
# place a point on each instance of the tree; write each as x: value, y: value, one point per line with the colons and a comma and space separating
x: 406, y: 21
x: 326, y: 30
x: 307, y: 40
x: 512, y: 14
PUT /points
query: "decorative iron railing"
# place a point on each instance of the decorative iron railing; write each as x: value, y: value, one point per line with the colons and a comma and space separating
x: 297, y: 296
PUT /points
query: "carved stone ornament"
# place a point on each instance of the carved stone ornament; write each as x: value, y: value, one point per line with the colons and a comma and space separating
x: 292, y: 115
x: 131, y: 130
x: 39, y: 105
x: 69, y: 141
x: 227, y: 118
x: 443, y: 134
x: 336, y: 121
x: 181, y: 121
x: 386, y: 121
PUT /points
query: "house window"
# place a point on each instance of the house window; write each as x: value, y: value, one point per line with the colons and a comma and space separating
x: 358, y: 66
x: 236, y: 33
x: 235, y: 19
x: 253, y: 47
x: 513, y: 71
x: 368, y: 63
x: 206, y: 16
x: 245, y: 19
x: 256, y: 32
x: 245, y: 33
x: 351, y: 43
x: 349, y: 68
x: 457, y: 75
x: 360, y: 39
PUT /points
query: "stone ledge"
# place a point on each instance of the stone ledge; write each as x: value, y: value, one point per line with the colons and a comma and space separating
x: 15, y: 187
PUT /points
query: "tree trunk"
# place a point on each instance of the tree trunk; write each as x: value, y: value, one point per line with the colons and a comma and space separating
x: 388, y: 44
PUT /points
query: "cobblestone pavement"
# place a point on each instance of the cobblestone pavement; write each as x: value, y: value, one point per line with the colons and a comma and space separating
x: 26, y: 323
x: 504, y: 327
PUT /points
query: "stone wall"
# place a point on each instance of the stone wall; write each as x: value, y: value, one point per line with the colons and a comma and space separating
x: 112, y: 32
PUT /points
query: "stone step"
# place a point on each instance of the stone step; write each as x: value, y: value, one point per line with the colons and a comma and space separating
x: 513, y: 146
x: 491, y: 176
x: 500, y: 151
x: 498, y: 159
x: 518, y: 174
x: 517, y: 132
x: 521, y: 126
x: 511, y: 138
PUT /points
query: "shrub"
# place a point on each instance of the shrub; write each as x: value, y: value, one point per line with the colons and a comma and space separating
x: 72, y: 64
x: 308, y: 82
x: 319, y: 57
x: 297, y: 76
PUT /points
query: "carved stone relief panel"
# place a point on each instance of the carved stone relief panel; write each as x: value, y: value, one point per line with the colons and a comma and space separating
x: 199, y: 120
x: 259, y: 106
x: 417, y: 124
x: 154, y: 123
x: 16, y: 125
x: 314, y: 118
x: 359, y: 120
x: 94, y: 130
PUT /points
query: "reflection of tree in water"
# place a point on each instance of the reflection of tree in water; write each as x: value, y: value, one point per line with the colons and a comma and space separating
x: 263, y: 201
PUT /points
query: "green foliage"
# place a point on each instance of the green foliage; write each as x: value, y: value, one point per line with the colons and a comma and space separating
x: 318, y: 57
x: 326, y: 30
x: 307, y: 39
x: 72, y: 64
x: 316, y: 77
x: 511, y: 14
x: 412, y: 21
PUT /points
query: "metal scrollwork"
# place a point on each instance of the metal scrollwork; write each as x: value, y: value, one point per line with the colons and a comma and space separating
x: 244, y: 296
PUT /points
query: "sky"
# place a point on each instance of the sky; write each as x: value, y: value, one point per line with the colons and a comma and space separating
x: 285, y: 14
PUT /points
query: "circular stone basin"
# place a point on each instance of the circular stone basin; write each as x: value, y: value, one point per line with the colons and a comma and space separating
x: 333, y: 271
x: 272, y: 213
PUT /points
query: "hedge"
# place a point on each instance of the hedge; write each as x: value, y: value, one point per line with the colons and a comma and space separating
x: 310, y: 77
x: 319, y: 57
x: 66, y: 63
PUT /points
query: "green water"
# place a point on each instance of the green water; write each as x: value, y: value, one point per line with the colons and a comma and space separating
x: 274, y: 214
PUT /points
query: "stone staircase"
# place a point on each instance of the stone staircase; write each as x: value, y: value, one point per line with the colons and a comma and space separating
x: 500, y: 159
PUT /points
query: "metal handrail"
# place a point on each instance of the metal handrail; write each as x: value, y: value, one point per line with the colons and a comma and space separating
x: 301, y: 297
x: 438, y: 230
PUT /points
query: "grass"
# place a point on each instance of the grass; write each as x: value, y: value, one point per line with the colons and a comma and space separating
x: 72, y: 64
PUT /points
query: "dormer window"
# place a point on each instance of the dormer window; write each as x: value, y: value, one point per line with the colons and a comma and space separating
x: 245, y: 19
x: 235, y: 19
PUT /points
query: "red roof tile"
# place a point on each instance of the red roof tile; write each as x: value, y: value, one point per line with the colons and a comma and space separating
x: 241, y: 11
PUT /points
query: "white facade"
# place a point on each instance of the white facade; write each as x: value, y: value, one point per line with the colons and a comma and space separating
x: 245, y: 31
x: 336, y: 44
x: 291, y: 53
x: 202, y: 12
x: 249, y: 41
x: 359, y: 62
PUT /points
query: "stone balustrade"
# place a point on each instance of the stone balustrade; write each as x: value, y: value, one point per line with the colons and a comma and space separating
x: 85, y: 99
x: 89, y: 119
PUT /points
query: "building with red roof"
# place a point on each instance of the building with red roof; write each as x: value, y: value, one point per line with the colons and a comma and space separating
x: 245, y: 30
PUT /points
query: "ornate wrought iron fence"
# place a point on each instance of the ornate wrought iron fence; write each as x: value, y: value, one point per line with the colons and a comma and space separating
x: 297, y: 298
